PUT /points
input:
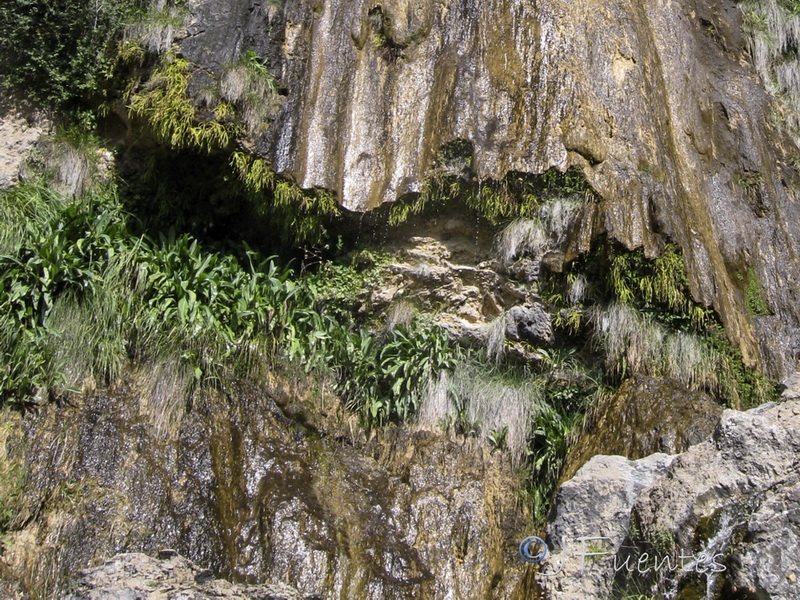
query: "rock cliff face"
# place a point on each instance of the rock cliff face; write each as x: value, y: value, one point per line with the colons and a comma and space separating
x: 660, y: 108
x: 727, y: 505
x: 658, y: 104
x: 255, y: 496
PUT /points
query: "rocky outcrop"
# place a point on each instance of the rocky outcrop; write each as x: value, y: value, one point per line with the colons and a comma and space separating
x: 723, y: 514
x: 374, y: 90
x: 529, y: 323
x: 236, y: 484
x: 645, y: 416
x: 591, y: 515
x: 129, y: 576
x: 445, y: 265
x: 20, y: 130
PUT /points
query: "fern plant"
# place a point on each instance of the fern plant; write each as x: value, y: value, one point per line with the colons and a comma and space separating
x: 164, y: 102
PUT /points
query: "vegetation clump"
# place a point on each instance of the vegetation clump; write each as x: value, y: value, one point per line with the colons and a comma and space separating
x: 518, y: 195
x: 166, y: 105
x: 641, y: 315
x: 61, y: 52
x: 774, y: 30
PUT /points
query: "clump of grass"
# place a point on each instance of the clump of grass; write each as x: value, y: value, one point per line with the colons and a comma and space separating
x: 476, y: 399
x: 25, y: 211
x: 693, y: 361
x: 400, y: 313
x: 248, y: 84
x: 633, y: 342
x: 496, y: 339
x: 498, y: 400
x: 155, y: 28
x: 436, y: 408
x: 521, y: 236
x: 754, y: 295
x: 168, y: 386
x: 578, y: 289
x: 557, y: 215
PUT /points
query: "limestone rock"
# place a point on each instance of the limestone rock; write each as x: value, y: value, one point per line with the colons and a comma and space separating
x: 252, y: 496
x: 19, y: 134
x: 596, y: 503
x: 136, y: 576
x: 646, y: 415
x: 791, y: 387
x: 530, y: 323
x: 730, y: 502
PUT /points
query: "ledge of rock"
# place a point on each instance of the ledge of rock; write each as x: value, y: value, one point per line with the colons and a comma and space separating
x: 137, y: 576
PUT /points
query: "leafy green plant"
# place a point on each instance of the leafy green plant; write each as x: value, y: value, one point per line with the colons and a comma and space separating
x: 498, y: 438
x: 754, y: 295
x: 386, y: 378
x: 546, y: 452
x: 164, y: 102
x: 299, y: 215
x: 57, y: 53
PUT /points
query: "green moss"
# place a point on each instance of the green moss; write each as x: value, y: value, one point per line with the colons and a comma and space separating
x: 754, y: 295
x: 706, y: 529
x: 692, y: 587
x: 662, y: 541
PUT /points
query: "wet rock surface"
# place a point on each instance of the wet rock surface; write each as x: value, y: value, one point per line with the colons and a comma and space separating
x: 645, y: 416
x: 137, y: 576
x: 729, y: 502
x: 241, y: 489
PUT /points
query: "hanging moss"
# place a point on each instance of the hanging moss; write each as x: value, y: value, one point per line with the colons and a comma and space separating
x: 516, y: 195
